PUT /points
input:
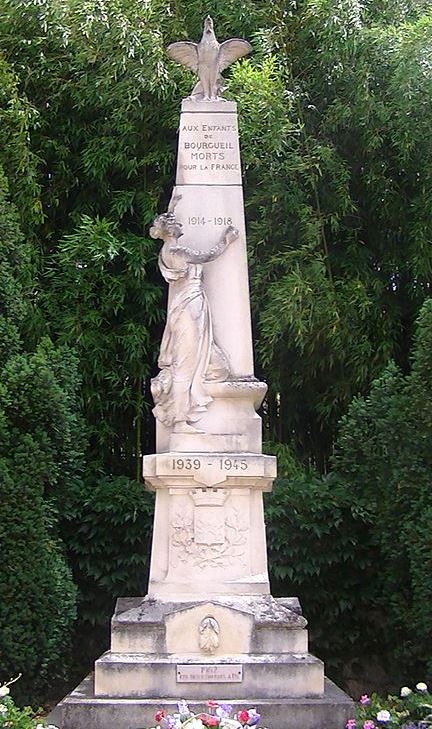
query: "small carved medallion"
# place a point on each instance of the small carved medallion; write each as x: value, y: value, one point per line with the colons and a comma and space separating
x: 209, y: 634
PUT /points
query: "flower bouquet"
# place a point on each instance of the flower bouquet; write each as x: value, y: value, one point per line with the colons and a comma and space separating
x: 217, y: 716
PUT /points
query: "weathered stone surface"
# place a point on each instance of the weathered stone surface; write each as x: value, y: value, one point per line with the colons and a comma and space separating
x: 208, y: 59
x: 81, y: 710
x: 147, y: 676
x: 209, y: 533
x: 197, y: 469
x: 193, y: 104
x: 255, y: 625
x: 208, y: 203
x: 208, y: 149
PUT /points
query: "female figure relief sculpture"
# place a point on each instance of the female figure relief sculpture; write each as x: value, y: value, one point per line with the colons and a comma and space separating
x: 188, y: 355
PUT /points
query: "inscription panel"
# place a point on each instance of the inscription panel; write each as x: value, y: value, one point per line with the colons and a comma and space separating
x: 208, y: 149
x: 205, y: 211
x: 210, y: 674
x: 209, y: 468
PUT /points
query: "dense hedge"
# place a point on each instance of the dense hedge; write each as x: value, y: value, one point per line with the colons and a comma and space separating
x: 384, y: 451
x: 320, y: 549
x: 106, y: 526
x: 39, y: 449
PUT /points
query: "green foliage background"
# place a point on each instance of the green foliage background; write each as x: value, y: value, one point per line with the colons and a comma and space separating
x: 335, y: 115
x: 39, y: 456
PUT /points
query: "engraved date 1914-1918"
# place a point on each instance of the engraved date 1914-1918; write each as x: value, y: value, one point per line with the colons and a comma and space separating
x: 201, y: 220
x: 194, y: 464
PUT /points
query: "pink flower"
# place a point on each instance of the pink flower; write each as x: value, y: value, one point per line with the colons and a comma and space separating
x: 351, y: 724
x: 243, y: 716
x: 209, y: 720
x: 364, y: 699
x: 369, y: 724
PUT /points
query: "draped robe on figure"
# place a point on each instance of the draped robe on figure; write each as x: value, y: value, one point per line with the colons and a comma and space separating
x: 188, y: 354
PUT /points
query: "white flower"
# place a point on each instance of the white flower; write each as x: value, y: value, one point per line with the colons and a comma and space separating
x: 4, y: 691
x: 227, y: 723
x: 383, y: 715
x: 422, y: 687
x: 193, y: 723
x: 3, y: 709
x: 40, y: 726
x: 405, y: 691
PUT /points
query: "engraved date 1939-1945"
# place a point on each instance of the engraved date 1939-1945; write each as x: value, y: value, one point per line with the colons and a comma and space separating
x: 194, y: 464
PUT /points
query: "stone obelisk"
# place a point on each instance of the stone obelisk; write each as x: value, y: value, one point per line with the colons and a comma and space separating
x: 209, y: 472
x: 208, y: 627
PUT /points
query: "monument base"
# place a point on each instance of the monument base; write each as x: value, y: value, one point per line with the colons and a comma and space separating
x: 81, y: 709
x: 246, y: 651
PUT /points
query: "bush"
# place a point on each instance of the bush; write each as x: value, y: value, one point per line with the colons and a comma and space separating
x: 383, y: 454
x: 320, y: 550
x: 37, y: 596
x: 107, y: 526
x: 355, y: 546
x: 38, y: 439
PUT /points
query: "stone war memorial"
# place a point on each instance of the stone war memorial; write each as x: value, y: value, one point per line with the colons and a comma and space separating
x: 209, y: 627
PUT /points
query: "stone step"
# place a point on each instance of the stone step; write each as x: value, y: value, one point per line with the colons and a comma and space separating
x: 82, y: 710
x: 143, y: 675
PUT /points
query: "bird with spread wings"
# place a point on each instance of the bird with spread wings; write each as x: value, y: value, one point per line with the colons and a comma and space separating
x: 208, y: 59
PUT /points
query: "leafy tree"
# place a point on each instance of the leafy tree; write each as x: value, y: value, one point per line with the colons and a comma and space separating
x: 336, y: 144
x: 107, y: 529
x: 357, y: 541
x: 336, y: 110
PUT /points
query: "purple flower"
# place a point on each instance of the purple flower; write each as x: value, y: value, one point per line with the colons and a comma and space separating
x: 364, y: 699
x: 254, y: 717
x: 182, y: 707
x: 224, y: 711
x: 351, y: 724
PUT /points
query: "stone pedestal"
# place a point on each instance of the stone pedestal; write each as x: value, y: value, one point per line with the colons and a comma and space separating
x: 161, y: 648
x: 256, y: 654
x: 208, y: 536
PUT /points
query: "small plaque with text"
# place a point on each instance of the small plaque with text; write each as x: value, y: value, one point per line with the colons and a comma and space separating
x: 210, y: 674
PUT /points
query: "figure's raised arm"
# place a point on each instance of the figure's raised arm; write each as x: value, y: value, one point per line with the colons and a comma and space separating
x: 197, y: 256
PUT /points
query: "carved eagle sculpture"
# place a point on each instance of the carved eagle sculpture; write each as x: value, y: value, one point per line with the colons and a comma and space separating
x: 208, y: 59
